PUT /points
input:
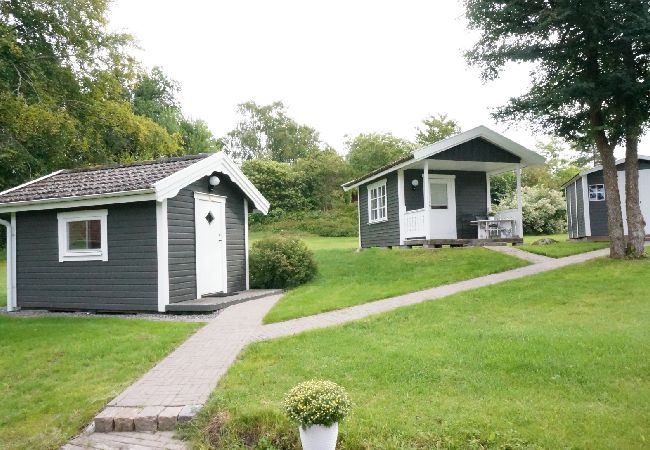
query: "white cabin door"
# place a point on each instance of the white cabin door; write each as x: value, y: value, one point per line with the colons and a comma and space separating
x: 210, y: 226
x: 644, y: 197
x: 442, y: 201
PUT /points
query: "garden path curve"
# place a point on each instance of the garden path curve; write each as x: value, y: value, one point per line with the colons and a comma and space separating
x: 188, y: 375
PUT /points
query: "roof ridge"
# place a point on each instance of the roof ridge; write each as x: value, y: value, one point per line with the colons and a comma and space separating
x: 165, y: 160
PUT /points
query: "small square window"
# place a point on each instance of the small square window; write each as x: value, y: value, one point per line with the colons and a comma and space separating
x: 82, y: 235
x: 596, y: 192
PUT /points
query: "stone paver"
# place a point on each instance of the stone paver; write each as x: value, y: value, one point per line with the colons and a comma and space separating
x: 190, y: 373
x: 519, y: 253
x: 123, y: 441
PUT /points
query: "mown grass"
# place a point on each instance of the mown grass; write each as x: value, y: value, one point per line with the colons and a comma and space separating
x: 346, y: 277
x: 313, y: 242
x: 556, y: 360
x: 564, y: 247
x: 56, y: 373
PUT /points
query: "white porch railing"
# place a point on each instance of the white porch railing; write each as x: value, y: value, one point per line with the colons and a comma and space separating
x: 415, y: 224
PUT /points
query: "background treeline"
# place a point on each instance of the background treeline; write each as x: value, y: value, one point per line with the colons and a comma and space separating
x: 72, y: 95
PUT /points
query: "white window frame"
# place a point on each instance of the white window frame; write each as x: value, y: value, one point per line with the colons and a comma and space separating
x: 596, y: 199
x: 99, y: 254
x: 375, y: 186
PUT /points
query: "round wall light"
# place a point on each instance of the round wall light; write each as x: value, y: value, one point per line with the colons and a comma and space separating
x: 415, y: 183
x: 213, y: 182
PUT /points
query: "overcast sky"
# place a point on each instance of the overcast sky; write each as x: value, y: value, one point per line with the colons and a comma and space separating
x: 342, y: 67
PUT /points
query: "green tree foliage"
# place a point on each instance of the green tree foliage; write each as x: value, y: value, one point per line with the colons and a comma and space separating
x: 71, y: 94
x: 561, y: 165
x: 154, y: 96
x: 590, y: 82
x: 279, y: 182
x: 436, y: 128
x: 369, y: 151
x: 323, y: 173
x: 267, y: 132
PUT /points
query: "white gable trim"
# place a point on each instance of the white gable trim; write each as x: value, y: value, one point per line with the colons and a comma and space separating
x: 528, y: 157
x: 219, y: 162
x: 30, y: 182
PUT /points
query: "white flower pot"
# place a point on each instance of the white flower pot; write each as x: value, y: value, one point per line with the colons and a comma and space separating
x: 319, y: 437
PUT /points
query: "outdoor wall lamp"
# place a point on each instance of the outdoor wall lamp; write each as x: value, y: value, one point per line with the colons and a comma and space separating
x: 414, y: 184
x: 213, y: 182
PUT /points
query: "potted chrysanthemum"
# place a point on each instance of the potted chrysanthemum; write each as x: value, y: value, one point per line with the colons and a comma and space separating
x: 317, y: 406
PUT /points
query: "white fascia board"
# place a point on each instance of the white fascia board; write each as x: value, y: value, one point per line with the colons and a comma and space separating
x: 79, y: 201
x: 599, y: 167
x: 528, y: 157
x: 219, y: 162
x: 30, y: 182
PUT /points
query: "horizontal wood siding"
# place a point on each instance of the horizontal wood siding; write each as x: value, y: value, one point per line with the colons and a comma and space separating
x: 471, y: 200
x: 382, y: 234
x: 580, y: 208
x: 477, y: 150
x: 127, y: 281
x: 597, y: 210
x: 413, y: 197
x: 182, y: 239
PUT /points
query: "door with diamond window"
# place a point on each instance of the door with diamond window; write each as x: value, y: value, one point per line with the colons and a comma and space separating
x: 210, y: 225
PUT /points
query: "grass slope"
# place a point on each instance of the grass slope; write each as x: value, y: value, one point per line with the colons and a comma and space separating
x: 57, y: 373
x: 347, y: 278
x: 313, y: 242
x: 562, y: 248
x: 557, y: 360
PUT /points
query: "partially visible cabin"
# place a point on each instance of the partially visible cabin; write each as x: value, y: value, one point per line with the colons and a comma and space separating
x: 586, y: 200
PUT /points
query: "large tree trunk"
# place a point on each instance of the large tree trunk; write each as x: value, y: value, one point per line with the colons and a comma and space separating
x: 612, y: 195
x: 635, y: 222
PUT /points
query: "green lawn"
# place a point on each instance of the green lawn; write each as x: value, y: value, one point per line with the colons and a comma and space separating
x: 557, y: 360
x: 563, y: 248
x: 313, y: 242
x: 347, y: 277
x: 56, y: 373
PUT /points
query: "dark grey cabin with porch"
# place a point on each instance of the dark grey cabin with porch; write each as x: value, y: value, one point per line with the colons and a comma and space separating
x: 454, y: 175
x: 586, y: 206
x: 137, y: 237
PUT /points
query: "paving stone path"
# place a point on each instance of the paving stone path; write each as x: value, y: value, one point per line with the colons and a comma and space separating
x: 518, y: 253
x: 183, y: 381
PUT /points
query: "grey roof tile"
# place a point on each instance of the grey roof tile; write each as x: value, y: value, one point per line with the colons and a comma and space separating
x: 100, y: 180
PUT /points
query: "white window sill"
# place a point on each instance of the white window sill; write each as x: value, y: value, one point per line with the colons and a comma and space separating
x: 378, y: 221
x: 84, y: 256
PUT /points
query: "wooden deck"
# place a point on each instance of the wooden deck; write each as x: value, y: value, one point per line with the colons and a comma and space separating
x: 214, y: 303
x: 439, y: 243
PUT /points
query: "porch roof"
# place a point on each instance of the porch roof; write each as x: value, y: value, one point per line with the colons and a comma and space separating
x: 416, y: 158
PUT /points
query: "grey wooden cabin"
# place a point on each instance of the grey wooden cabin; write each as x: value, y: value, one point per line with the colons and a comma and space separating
x: 586, y: 206
x: 440, y: 194
x: 135, y: 237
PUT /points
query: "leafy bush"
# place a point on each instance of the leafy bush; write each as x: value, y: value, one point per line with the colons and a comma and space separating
x: 338, y: 222
x: 544, y: 209
x: 280, y: 262
x: 317, y: 402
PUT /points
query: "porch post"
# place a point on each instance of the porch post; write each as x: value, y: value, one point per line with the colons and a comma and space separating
x: 11, y: 262
x: 427, y: 200
x: 489, y: 195
x: 520, y: 225
x: 401, y: 203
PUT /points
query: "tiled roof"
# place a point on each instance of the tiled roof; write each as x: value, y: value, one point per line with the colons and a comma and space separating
x: 100, y: 180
